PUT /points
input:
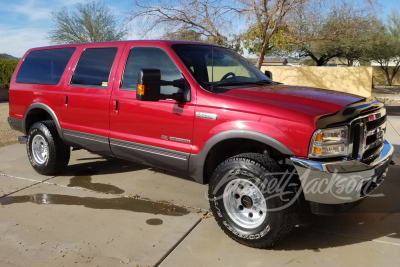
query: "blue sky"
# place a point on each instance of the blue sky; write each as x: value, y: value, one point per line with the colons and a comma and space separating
x: 24, y: 23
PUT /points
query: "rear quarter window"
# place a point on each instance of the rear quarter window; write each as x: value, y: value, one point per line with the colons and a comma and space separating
x: 44, y: 66
x: 94, y: 67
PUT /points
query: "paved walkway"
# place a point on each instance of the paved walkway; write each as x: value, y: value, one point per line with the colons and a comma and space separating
x: 109, y: 212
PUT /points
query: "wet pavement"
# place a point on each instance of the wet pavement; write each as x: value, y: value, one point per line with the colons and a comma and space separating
x: 99, y: 212
x: 110, y: 212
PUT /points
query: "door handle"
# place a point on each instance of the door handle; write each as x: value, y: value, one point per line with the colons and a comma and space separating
x: 66, y: 100
x: 114, y: 108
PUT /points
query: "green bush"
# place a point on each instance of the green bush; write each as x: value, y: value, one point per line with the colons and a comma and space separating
x: 7, y: 67
x: 308, y: 62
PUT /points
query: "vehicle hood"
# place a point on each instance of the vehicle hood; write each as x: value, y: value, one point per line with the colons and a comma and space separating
x: 308, y: 100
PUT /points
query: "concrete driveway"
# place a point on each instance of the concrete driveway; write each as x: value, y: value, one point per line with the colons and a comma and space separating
x: 110, y: 212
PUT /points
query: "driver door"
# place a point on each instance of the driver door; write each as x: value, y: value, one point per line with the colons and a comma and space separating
x: 154, y: 133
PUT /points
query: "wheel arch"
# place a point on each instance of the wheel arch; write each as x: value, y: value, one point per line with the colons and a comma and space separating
x: 198, y: 162
x: 37, y: 112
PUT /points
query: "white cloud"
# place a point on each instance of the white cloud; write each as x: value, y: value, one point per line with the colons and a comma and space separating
x: 73, y: 2
x: 34, y: 10
x: 31, y: 9
x: 16, y: 42
x: 29, y: 28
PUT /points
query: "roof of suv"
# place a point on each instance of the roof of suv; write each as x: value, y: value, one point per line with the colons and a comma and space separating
x: 167, y: 42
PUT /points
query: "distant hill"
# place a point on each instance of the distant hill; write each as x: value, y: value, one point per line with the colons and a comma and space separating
x: 7, y: 56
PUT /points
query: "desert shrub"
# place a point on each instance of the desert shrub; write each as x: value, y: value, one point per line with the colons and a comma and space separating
x: 7, y: 67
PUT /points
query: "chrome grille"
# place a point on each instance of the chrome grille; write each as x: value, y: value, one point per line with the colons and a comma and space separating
x: 369, y: 135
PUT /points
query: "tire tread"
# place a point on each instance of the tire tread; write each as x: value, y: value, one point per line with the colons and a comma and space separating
x: 289, y: 215
x: 57, y: 161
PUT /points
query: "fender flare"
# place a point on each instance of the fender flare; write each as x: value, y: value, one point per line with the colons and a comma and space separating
x: 48, y: 110
x: 196, y: 162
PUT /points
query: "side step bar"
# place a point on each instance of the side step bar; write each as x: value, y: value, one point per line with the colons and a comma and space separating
x: 22, y: 139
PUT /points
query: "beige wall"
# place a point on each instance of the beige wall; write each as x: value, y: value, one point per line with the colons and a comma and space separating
x: 219, y: 72
x: 380, y: 77
x: 353, y: 80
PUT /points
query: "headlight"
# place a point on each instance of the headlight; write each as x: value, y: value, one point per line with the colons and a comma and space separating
x: 329, y: 143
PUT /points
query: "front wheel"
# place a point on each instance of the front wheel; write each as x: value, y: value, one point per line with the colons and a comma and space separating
x: 252, y: 200
x: 47, y: 153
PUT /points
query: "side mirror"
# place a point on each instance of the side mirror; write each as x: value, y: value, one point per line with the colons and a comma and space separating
x: 149, y: 87
x: 268, y: 74
x: 149, y: 83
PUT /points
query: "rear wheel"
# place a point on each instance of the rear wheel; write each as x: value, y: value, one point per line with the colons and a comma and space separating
x: 251, y: 200
x: 47, y: 153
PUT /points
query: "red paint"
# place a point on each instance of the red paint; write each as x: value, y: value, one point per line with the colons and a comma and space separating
x: 286, y: 113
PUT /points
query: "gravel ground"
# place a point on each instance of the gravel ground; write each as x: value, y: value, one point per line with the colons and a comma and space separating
x: 392, y: 108
x: 388, y: 91
x: 390, y: 96
x: 7, y: 136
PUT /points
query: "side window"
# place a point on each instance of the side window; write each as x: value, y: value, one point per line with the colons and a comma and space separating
x: 94, y: 67
x: 44, y: 66
x: 149, y: 58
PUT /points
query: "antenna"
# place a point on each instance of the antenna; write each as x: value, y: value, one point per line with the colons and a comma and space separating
x: 212, y: 68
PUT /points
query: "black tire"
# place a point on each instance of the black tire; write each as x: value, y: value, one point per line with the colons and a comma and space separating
x: 251, y: 175
x: 56, y: 156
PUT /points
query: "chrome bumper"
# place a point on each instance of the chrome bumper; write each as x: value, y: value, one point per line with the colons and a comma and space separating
x: 341, y: 181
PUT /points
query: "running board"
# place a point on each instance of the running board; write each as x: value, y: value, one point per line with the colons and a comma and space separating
x: 22, y: 139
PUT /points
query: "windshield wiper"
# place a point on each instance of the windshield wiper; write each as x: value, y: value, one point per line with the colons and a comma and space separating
x: 263, y: 82
x: 232, y: 83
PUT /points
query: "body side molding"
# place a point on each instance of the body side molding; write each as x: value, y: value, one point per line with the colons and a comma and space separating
x: 149, y: 149
x: 16, y: 124
x: 150, y: 155
x: 94, y: 143
x: 196, y: 162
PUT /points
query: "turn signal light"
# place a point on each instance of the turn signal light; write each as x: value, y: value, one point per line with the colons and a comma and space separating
x: 318, y: 137
x: 317, y: 150
x: 140, y: 89
x: 330, y: 142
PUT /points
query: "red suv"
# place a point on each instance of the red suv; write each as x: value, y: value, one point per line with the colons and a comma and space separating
x: 203, y: 110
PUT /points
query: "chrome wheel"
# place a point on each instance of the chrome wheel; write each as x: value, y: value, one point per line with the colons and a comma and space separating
x: 245, y: 203
x: 40, y: 149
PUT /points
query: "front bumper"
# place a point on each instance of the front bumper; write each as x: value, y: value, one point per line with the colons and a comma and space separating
x: 341, y: 181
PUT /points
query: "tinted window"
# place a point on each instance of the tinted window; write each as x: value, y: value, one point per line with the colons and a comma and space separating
x: 150, y: 58
x: 94, y: 66
x: 215, y: 66
x: 44, y: 66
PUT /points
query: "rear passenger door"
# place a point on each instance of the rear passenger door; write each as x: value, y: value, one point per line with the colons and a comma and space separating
x: 86, y: 97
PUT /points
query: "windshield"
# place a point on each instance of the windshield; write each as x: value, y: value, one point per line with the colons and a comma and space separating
x: 214, y: 66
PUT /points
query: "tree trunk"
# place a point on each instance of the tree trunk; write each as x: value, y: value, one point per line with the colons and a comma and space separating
x: 350, y: 62
x: 321, y: 62
x: 389, y: 81
x: 260, y: 59
x: 394, y: 73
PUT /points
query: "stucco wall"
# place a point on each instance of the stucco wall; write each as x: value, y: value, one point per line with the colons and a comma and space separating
x: 380, y: 77
x: 353, y: 80
x: 220, y: 71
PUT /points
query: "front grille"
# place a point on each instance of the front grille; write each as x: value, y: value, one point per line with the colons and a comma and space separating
x: 372, y: 154
x: 374, y: 124
x: 369, y: 136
